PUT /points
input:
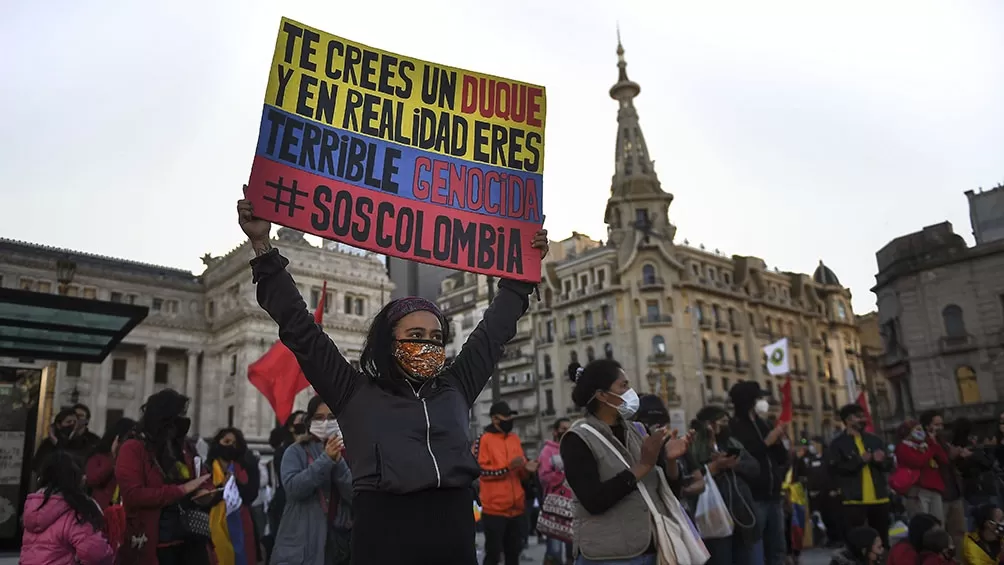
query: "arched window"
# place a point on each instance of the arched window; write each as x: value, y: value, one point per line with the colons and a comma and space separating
x: 648, y: 274
x: 736, y: 353
x: 955, y: 326
x: 608, y: 351
x: 590, y: 354
x: 658, y: 345
x: 548, y: 296
x: 969, y: 387
x: 721, y: 351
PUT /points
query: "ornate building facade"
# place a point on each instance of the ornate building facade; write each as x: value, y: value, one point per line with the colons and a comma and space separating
x: 686, y: 323
x: 941, y: 317
x: 202, y: 331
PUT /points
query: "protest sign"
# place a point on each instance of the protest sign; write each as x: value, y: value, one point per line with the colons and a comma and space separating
x: 400, y: 156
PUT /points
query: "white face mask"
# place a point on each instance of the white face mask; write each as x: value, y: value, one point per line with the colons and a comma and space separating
x: 325, y: 429
x: 630, y: 403
x: 762, y: 406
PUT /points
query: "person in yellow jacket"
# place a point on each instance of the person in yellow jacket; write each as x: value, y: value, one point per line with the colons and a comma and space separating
x: 983, y: 546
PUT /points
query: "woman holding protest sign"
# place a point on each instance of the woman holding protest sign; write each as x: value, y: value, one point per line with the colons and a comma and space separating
x: 404, y: 414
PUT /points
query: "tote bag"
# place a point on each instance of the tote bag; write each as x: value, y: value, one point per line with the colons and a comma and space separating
x: 676, y: 537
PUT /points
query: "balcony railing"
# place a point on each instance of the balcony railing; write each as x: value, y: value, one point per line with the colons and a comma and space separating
x: 545, y: 340
x: 704, y: 323
x: 654, y: 283
x: 588, y: 332
x: 721, y: 327
x: 604, y: 328
x: 957, y: 344
x: 656, y: 320
x: 570, y: 337
x: 742, y: 366
x: 661, y: 358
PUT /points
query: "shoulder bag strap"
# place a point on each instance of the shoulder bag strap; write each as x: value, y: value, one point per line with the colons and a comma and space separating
x: 641, y: 487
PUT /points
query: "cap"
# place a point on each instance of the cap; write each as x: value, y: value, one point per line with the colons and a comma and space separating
x: 501, y: 408
x: 747, y: 390
x: 650, y: 407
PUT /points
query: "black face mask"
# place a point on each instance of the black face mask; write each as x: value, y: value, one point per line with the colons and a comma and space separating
x: 229, y: 452
x: 64, y: 432
x: 299, y: 429
x: 181, y: 426
x: 505, y: 425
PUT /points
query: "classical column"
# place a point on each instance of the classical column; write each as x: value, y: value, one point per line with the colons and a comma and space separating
x: 99, y: 396
x: 148, y: 372
x: 191, y: 390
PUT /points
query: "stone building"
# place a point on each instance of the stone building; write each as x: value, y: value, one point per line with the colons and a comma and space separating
x: 203, y: 330
x: 881, y: 400
x: 941, y: 314
x: 685, y: 322
x: 986, y: 214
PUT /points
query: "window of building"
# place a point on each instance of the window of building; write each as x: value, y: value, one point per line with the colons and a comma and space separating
x: 112, y: 416
x: 833, y: 400
x: 549, y: 330
x: 130, y: 299
x: 801, y: 395
x: 587, y: 317
x: 955, y: 325
x: 160, y: 373
x: 171, y: 305
x: 727, y: 278
x: 360, y: 310
x: 696, y: 269
x: 73, y: 368
x: 605, y: 315
x: 157, y: 305
x: 26, y: 284
x: 568, y: 286
x: 115, y: 297
x: 969, y: 387
x: 315, y: 297
x: 44, y: 287
x: 548, y: 371
x: 641, y: 217
x: 716, y: 314
x: 769, y: 324
x: 725, y: 385
x: 211, y: 309
x: 706, y: 349
x: 841, y: 310
x: 584, y: 282
x: 233, y: 364
x: 90, y: 293
x: 571, y: 326
x: 708, y: 383
x: 119, y: 367
x: 699, y: 311
x: 348, y: 304
x: 648, y: 274
x: 652, y: 310
x: 658, y: 345
x: 712, y: 274
x: 829, y: 369
x: 737, y: 353
x: 590, y: 354
x: 721, y: 351
x: 230, y: 416
x: 608, y: 351
x: 549, y: 401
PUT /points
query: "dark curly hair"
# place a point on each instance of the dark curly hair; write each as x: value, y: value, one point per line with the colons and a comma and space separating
x: 241, y: 444
x: 61, y: 475
x: 598, y: 375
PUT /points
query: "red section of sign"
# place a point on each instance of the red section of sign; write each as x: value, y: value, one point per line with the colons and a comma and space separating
x: 392, y: 225
x: 786, y: 408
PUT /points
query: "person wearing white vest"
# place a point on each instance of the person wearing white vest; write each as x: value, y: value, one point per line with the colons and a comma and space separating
x: 611, y: 469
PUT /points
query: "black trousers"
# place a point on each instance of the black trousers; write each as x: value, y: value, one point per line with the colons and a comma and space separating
x: 830, y: 509
x: 503, y: 535
x: 432, y: 527
x: 875, y: 516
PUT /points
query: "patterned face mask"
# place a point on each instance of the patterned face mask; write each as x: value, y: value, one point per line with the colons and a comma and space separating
x: 421, y: 359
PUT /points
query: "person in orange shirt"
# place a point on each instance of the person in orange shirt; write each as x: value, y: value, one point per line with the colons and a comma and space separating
x: 504, y: 467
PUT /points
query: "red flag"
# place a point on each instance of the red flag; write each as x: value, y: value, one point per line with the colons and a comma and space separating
x: 863, y: 403
x: 277, y: 375
x: 786, y: 410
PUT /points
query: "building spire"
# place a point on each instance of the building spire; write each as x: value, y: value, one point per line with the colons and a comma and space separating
x: 632, y: 159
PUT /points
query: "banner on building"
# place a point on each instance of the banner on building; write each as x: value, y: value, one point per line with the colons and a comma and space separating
x: 400, y: 156
x: 778, y: 357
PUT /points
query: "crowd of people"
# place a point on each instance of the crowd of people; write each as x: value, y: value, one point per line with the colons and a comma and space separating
x: 379, y: 470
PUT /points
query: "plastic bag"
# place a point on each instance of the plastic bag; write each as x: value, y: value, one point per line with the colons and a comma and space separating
x: 712, y: 518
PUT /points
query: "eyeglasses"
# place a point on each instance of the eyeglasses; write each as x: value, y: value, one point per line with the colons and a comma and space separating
x: 323, y: 417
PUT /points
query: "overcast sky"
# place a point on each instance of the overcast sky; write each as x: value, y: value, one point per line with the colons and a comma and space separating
x: 794, y: 131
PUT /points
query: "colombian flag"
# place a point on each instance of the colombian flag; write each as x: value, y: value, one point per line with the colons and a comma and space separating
x: 799, y: 511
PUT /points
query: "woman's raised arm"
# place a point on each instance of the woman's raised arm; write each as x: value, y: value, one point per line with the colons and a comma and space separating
x: 326, y: 369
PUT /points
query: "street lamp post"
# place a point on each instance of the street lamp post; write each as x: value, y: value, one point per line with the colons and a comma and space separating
x: 65, y: 269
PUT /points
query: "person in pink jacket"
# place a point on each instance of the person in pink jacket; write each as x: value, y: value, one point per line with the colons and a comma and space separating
x: 62, y: 525
x: 552, y: 479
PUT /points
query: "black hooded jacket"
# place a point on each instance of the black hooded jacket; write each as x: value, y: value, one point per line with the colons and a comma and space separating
x: 399, y: 439
x: 774, y: 461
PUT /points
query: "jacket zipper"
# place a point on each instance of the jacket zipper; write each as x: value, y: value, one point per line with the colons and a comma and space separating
x: 428, y: 433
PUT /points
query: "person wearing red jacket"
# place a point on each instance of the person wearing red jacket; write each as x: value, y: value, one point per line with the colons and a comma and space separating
x: 156, y: 471
x: 100, y: 470
x: 922, y: 453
